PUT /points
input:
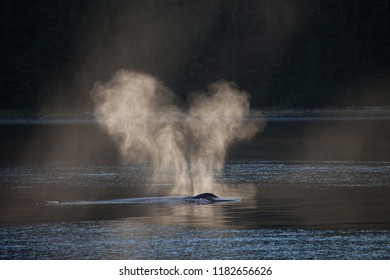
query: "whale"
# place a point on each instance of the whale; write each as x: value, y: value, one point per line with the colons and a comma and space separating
x: 207, y: 198
x: 203, y: 198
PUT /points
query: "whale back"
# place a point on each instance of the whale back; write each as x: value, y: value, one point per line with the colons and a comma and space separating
x: 208, y: 196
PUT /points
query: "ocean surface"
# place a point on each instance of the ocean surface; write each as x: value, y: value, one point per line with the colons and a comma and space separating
x: 303, y: 189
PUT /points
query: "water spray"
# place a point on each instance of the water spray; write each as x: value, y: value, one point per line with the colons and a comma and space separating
x: 143, y: 116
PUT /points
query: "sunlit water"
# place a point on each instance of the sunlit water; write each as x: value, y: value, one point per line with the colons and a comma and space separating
x: 287, y: 210
x: 129, y: 239
x: 287, y: 207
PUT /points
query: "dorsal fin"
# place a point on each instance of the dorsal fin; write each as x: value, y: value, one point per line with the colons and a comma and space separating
x: 208, y: 196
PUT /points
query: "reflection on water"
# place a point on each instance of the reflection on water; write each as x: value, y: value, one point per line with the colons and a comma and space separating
x: 271, y: 193
x: 129, y: 239
x: 289, y: 207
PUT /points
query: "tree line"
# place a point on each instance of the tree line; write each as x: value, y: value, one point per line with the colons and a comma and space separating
x: 286, y: 53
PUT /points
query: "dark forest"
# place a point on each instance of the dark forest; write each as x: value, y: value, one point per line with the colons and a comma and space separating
x: 286, y: 53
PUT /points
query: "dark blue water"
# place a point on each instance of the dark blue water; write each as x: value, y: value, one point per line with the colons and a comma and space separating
x: 298, y: 197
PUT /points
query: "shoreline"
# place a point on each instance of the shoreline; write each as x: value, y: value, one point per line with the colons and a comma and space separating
x: 366, y: 113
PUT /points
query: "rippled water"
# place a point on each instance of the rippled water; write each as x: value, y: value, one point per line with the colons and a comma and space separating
x: 129, y: 239
x: 288, y: 207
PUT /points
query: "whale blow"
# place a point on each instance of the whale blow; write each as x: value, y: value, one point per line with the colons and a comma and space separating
x: 185, y: 145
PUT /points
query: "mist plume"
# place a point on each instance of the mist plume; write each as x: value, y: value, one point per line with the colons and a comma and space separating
x: 185, y: 146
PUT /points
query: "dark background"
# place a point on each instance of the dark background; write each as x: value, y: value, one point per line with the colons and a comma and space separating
x: 286, y: 53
